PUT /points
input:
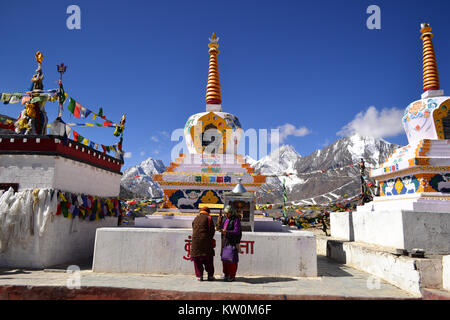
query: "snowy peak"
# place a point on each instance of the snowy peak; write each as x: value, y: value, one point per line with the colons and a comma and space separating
x: 138, y: 179
x: 371, y: 149
x: 147, y: 167
x: 278, y: 161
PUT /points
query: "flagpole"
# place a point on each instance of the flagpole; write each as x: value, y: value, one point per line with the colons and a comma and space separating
x: 61, y: 69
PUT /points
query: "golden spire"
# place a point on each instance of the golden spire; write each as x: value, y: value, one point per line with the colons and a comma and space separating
x: 213, y: 95
x: 430, y: 72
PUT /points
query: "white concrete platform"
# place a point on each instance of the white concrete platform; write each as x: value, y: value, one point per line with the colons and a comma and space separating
x: 167, y: 251
x: 262, y: 224
x: 64, y: 241
x: 409, y: 274
x: 403, y: 225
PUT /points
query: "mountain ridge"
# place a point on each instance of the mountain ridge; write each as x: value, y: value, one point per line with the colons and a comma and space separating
x: 286, y: 166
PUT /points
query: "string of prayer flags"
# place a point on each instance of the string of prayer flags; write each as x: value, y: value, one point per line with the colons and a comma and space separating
x: 7, y: 98
x: 87, y: 124
x: 106, y: 149
x: 77, y: 109
x: 16, y: 97
x: 82, y: 112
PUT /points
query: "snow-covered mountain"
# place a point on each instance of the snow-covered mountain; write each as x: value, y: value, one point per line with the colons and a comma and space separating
x: 280, y: 161
x: 138, y: 179
x: 283, y: 159
x: 299, y: 186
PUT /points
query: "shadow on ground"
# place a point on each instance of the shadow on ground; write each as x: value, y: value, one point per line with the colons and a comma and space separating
x: 83, y: 265
x: 330, y: 268
x: 6, y: 272
x: 260, y: 280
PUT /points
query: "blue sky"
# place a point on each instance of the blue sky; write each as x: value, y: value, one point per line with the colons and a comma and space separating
x: 289, y: 64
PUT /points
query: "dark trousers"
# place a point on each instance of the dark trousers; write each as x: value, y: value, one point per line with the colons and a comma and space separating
x: 204, y: 263
x: 229, y: 269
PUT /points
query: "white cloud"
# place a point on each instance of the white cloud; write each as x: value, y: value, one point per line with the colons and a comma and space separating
x: 154, y: 138
x: 127, y: 155
x: 287, y: 130
x: 156, y: 151
x: 142, y: 153
x: 376, y: 124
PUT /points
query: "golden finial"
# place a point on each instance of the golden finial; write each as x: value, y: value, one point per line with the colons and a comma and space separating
x: 39, y: 57
x: 213, y: 41
x: 213, y: 95
x: 430, y: 71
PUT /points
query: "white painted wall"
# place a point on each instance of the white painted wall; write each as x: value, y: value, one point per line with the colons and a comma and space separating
x: 446, y: 272
x: 79, y: 177
x: 404, y: 229
x: 64, y: 241
x: 161, y: 251
x: 341, y: 225
x: 384, y: 228
x: 30, y: 171
x: 36, y: 171
x: 395, y: 227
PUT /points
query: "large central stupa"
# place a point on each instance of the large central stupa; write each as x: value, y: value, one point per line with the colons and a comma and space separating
x: 212, y: 165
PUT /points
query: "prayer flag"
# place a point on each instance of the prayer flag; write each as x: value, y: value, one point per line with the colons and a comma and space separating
x: 75, y: 135
x: 99, y: 114
x: 38, y: 99
x: 15, y: 98
x: 72, y: 107
x: 68, y: 130
x: 77, y: 111
x: 25, y: 99
x: 5, y: 97
x: 85, y: 112
x: 62, y: 96
x: 80, y: 138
